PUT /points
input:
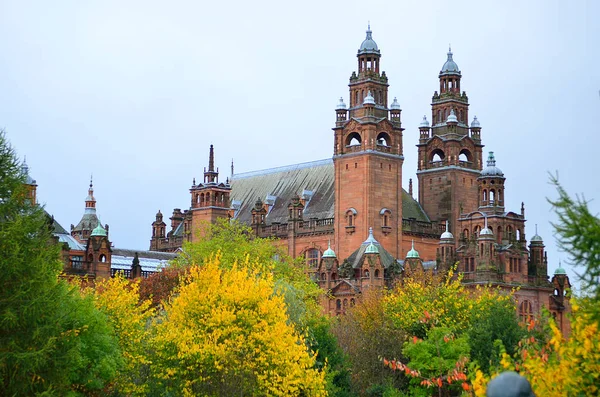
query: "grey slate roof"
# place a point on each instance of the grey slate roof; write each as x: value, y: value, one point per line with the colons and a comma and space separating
x: 88, y: 221
x: 150, y: 261
x: 284, y: 182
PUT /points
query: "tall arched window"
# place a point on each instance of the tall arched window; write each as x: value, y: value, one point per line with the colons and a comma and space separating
x: 312, y: 257
x: 525, y: 311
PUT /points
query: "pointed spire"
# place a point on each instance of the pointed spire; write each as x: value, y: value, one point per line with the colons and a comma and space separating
x: 211, y: 176
x: 413, y: 253
x: 90, y: 201
x: 410, y: 187
x: 329, y: 253
x: 24, y: 166
x: 486, y: 231
x: 211, y: 159
x: 231, y: 168
x: 371, y: 238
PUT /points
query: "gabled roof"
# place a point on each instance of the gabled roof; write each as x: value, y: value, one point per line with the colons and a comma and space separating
x: 344, y: 284
x: 283, y: 183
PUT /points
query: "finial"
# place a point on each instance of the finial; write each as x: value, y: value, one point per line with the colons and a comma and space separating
x: 329, y: 244
x: 194, y: 181
x: 491, y: 161
x: 24, y: 166
x: 447, y: 225
x: 91, y: 179
x: 536, y: 228
x: 370, y: 231
x: 410, y: 187
x: 450, y: 48
x: 413, y: 244
x: 369, y: 25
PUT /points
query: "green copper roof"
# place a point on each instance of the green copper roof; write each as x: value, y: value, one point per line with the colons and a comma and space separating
x: 329, y: 253
x: 560, y: 270
x: 99, y: 231
x: 372, y: 249
x: 413, y: 253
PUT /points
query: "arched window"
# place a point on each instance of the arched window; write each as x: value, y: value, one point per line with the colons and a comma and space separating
x: 338, y: 304
x: 437, y: 155
x: 476, y: 231
x: 312, y: 257
x: 385, y: 217
x: 352, y: 302
x: 484, y: 198
x: 345, y: 303
x: 492, y: 196
x: 376, y: 273
x: 333, y: 276
x: 466, y: 234
x: 525, y: 311
x: 383, y: 139
x: 518, y: 234
x: 500, y: 199
x: 366, y: 273
x: 509, y: 231
x: 465, y: 155
x: 102, y: 258
x: 353, y: 139
x: 356, y: 98
x: 323, y: 276
x: 350, y: 215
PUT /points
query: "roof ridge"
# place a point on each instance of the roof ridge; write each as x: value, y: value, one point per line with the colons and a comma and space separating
x: 290, y: 167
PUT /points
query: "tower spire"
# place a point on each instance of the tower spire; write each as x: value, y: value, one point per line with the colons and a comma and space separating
x: 211, y: 159
x: 210, y: 175
x: 90, y: 201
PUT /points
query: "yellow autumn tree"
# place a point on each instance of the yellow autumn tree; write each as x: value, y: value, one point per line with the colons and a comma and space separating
x: 226, y: 332
x: 561, y: 367
x: 119, y: 299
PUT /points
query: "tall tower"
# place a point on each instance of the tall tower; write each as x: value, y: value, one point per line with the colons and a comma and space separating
x: 449, y: 152
x: 89, y: 220
x: 368, y: 159
x: 210, y: 200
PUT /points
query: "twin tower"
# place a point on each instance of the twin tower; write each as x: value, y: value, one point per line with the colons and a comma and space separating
x: 368, y: 157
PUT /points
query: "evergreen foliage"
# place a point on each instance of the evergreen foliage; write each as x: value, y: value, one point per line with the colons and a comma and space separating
x: 52, y: 339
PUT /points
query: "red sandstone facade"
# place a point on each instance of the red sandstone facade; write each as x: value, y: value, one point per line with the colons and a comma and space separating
x: 459, y: 216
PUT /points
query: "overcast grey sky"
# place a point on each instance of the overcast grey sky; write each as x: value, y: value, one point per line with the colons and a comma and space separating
x: 136, y: 91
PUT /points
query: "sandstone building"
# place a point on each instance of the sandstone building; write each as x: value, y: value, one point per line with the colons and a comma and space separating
x: 355, y: 225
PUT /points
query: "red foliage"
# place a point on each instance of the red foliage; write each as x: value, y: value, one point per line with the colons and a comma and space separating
x: 159, y: 286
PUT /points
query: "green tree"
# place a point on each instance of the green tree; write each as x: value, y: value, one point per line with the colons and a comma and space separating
x: 51, y: 338
x: 497, y: 323
x: 578, y: 234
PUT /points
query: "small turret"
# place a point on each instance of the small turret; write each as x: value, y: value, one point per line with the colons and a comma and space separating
x: 341, y: 112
